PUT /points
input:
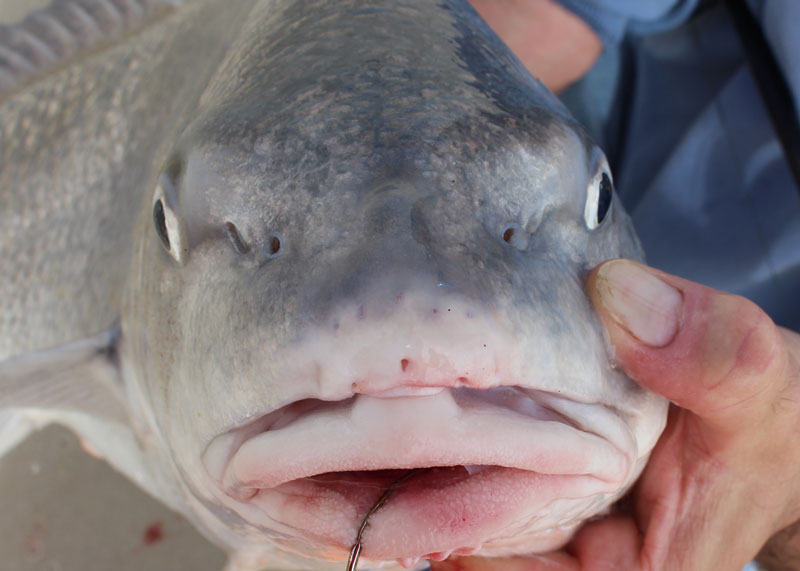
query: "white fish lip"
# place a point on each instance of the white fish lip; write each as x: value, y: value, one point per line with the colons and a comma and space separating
x: 370, y: 433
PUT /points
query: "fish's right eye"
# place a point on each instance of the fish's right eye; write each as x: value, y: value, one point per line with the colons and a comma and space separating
x: 599, y: 195
x: 166, y: 222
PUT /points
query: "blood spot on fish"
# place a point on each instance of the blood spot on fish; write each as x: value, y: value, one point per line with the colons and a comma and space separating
x: 34, y: 543
x: 404, y: 364
x: 153, y: 533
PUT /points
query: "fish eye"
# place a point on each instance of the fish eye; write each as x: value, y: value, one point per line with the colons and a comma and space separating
x: 166, y: 222
x: 599, y: 196
x: 159, y: 218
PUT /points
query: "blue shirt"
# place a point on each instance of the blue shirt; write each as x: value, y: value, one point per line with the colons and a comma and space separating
x: 697, y: 163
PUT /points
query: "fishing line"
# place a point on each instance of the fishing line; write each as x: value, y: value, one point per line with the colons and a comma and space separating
x: 355, y: 551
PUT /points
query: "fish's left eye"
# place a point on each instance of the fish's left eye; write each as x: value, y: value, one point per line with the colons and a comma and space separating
x: 599, y: 196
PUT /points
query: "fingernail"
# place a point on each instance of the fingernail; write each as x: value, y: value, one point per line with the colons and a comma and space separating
x: 647, y: 307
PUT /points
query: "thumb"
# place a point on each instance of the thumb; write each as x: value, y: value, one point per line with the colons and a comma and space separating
x: 725, y: 466
x: 715, y: 354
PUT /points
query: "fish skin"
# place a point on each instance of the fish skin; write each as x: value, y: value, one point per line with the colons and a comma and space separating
x: 387, y: 150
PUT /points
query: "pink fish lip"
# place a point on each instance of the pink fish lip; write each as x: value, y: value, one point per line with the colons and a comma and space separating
x: 250, y: 472
x: 327, y: 462
x: 270, y: 458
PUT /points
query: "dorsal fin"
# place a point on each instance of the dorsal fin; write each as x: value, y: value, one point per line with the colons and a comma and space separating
x: 65, y: 29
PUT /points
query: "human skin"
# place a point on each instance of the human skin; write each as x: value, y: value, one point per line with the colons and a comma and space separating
x: 553, y: 43
x: 725, y: 475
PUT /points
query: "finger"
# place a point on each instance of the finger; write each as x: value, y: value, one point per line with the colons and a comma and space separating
x: 710, y: 352
x: 727, y: 470
x: 551, y: 562
x: 608, y: 545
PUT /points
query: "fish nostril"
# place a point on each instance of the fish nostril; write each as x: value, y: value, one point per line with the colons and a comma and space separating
x: 272, y: 247
x: 239, y: 243
x: 403, y: 364
x: 515, y: 236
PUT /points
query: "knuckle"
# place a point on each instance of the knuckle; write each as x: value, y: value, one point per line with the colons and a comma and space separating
x: 759, y: 344
x: 750, y: 347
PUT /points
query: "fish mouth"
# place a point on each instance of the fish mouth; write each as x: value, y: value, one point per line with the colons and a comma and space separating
x: 493, y: 465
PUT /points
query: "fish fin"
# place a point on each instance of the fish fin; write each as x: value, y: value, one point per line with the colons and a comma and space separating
x: 65, y: 29
x: 77, y: 385
x: 80, y: 377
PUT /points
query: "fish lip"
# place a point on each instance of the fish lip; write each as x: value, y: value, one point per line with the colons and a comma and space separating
x: 412, y: 507
x: 260, y: 457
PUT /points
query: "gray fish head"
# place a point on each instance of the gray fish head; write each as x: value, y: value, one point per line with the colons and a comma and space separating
x: 366, y: 255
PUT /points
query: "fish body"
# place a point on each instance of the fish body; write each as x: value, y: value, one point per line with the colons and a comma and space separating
x: 269, y: 257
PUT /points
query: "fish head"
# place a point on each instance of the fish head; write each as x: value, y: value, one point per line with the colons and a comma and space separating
x: 366, y: 256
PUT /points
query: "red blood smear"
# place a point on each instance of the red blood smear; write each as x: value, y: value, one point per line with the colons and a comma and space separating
x: 153, y: 534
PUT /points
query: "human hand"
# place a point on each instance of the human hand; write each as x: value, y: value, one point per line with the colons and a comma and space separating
x: 725, y: 474
x: 554, y: 44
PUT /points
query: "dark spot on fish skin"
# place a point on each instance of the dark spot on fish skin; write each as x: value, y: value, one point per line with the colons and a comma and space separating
x: 153, y: 533
x: 403, y: 364
x: 508, y: 234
